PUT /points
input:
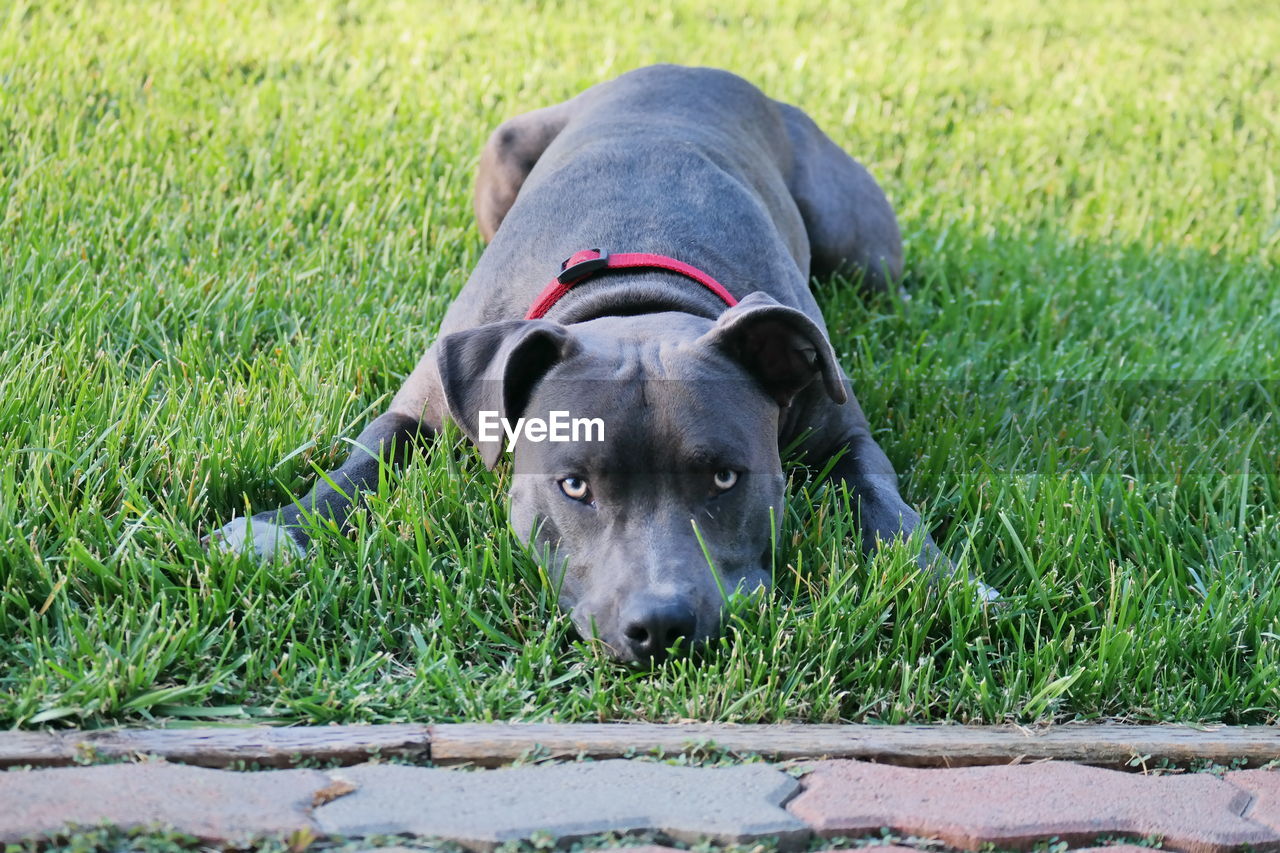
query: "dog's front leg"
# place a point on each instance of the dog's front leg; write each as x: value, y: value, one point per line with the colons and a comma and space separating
x: 883, y: 516
x: 388, y: 439
x: 411, y: 420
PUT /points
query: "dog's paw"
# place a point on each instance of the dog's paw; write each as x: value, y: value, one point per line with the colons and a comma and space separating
x: 940, y: 568
x: 986, y: 595
x: 254, y: 536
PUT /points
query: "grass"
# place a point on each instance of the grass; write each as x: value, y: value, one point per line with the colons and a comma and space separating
x: 228, y: 229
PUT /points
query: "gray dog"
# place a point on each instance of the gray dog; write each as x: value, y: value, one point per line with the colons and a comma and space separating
x: 680, y: 335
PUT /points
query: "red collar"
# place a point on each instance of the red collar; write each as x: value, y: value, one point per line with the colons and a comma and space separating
x: 588, y: 262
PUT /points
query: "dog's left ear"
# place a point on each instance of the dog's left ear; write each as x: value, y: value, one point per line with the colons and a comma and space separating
x: 780, y: 346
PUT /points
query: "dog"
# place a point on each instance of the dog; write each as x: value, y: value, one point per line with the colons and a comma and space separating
x: 650, y: 244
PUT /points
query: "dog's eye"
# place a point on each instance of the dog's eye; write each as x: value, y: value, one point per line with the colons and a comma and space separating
x: 575, y: 487
x: 726, y: 479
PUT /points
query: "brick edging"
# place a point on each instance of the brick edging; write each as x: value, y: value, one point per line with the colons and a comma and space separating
x: 1010, y: 807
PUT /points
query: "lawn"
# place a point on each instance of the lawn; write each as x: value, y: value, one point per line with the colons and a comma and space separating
x: 227, y: 230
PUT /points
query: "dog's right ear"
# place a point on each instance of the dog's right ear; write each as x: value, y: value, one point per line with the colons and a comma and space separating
x: 494, y: 368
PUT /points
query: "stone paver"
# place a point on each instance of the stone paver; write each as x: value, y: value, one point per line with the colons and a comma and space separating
x: 1264, y: 787
x: 485, y: 808
x: 214, y: 805
x: 1004, y: 806
x: 1016, y: 806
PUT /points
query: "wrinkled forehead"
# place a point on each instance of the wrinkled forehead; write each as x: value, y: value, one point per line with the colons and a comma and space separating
x: 655, y: 425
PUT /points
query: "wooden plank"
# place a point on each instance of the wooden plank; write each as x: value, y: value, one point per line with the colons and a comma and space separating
x: 267, y: 746
x: 38, y: 749
x: 490, y: 744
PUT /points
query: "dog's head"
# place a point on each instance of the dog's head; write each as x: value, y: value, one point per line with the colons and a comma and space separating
x: 645, y: 451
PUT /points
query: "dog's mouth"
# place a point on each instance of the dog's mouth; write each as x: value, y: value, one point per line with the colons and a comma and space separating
x: 643, y: 652
x: 680, y: 649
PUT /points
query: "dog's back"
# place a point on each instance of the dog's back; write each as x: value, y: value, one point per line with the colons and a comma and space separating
x: 662, y: 158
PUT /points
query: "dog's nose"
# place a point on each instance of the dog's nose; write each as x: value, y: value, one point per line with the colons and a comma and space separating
x: 652, y: 627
